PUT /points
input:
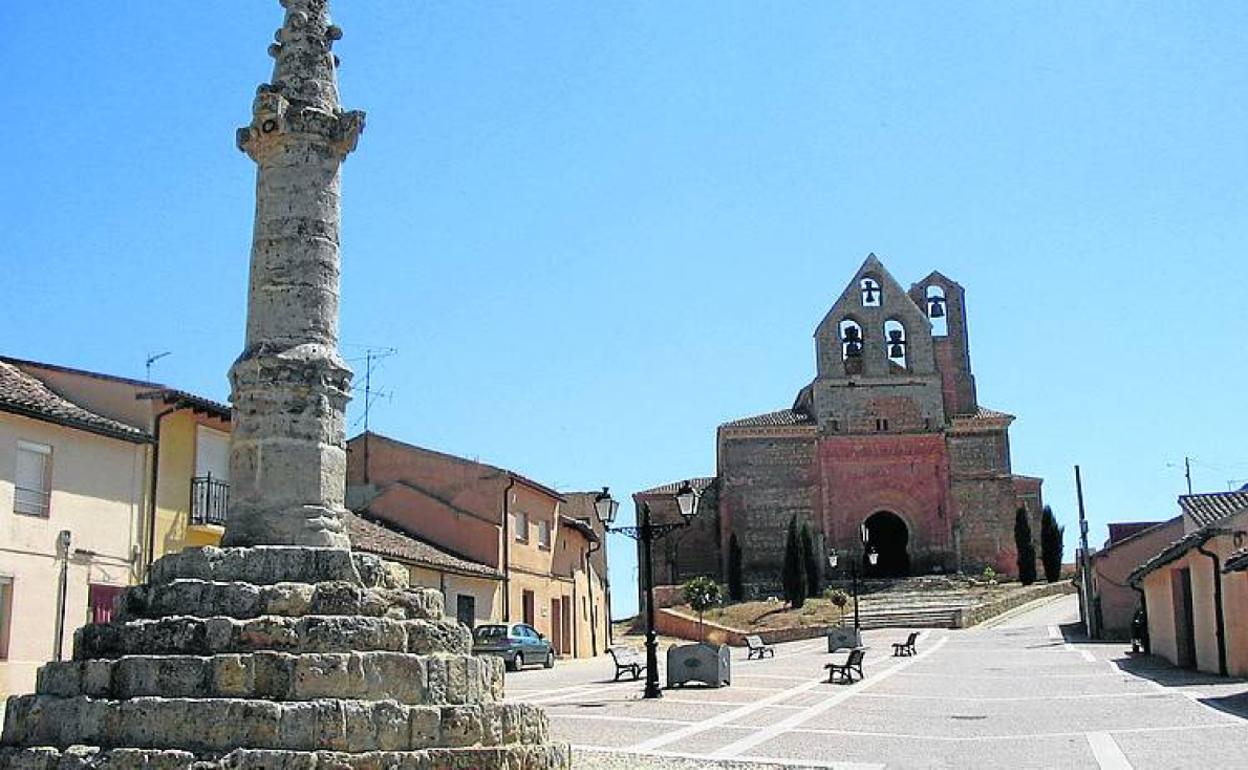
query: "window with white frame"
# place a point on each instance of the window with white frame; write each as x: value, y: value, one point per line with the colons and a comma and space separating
x: 520, y: 521
x: 543, y: 534
x: 32, y: 492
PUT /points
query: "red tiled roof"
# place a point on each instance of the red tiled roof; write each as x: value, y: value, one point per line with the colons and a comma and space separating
x: 1175, y: 551
x: 1125, y: 529
x: 782, y: 418
x: 183, y: 399
x: 1205, y: 509
x: 374, y: 537
x: 700, y: 484
x: 20, y: 393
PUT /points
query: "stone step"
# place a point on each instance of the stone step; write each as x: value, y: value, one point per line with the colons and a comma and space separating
x: 204, y: 598
x: 307, y: 634
x: 514, y: 757
x: 219, y: 725
x: 269, y: 564
x: 430, y: 680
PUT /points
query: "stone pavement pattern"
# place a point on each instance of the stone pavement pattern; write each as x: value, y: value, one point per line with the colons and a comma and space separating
x: 1016, y: 695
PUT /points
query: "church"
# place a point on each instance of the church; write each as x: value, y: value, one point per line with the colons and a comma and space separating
x: 886, y: 452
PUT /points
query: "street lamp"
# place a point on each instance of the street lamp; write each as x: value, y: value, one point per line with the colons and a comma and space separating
x: 687, y: 499
x: 873, y: 558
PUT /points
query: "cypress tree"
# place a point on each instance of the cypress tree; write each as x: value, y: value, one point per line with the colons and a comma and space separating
x: 810, y: 561
x: 1025, y: 547
x: 736, y: 586
x: 793, y: 574
x: 1051, y: 546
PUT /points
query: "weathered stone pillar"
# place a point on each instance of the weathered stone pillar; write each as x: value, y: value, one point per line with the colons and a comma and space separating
x: 289, y: 652
x: 290, y: 386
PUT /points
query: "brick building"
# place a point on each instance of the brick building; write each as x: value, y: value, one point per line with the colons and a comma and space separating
x: 888, y: 439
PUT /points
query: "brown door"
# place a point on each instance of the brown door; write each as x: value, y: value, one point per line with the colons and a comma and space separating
x: 566, y: 606
x: 1184, y: 627
x: 527, y: 604
x: 556, y: 626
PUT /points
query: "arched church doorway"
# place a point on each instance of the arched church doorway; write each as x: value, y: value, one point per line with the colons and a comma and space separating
x: 888, y: 536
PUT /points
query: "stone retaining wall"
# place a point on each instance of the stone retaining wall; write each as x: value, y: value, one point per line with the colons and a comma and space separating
x: 669, y: 622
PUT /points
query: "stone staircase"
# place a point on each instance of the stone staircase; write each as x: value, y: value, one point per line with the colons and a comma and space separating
x: 275, y: 657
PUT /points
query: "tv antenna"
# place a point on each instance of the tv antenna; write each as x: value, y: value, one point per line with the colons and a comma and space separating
x: 371, y: 358
x: 151, y: 359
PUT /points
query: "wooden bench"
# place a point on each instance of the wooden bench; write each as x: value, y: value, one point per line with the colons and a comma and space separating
x: 757, y: 649
x: 627, y: 661
x: 902, y: 649
x: 845, y: 671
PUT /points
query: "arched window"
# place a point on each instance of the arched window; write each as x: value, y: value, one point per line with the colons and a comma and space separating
x: 938, y: 311
x: 872, y: 294
x: 895, y: 341
x: 851, y: 345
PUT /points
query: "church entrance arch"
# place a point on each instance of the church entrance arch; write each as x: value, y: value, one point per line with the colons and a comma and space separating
x: 888, y: 535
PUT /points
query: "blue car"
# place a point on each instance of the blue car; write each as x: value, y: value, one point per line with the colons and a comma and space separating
x: 519, y: 645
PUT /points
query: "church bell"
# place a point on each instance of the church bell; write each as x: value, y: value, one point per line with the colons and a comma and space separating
x: 936, y: 308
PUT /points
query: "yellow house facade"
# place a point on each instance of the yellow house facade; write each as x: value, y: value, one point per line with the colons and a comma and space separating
x: 1197, y: 609
x: 71, y: 515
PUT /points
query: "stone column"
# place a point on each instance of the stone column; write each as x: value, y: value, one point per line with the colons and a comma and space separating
x: 290, y: 386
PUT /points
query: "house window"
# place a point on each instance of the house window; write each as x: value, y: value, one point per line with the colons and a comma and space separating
x: 522, y: 526
x: 6, y: 614
x: 543, y: 534
x: 881, y: 424
x: 33, y: 480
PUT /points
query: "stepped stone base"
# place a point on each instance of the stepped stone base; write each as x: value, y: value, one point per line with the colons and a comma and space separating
x: 275, y: 657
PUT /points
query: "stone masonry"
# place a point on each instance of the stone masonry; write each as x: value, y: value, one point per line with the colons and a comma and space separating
x: 284, y: 650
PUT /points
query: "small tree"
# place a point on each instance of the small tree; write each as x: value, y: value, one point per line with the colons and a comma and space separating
x: 701, y: 594
x: 839, y: 599
x: 1051, y: 545
x: 810, y: 562
x: 1026, y: 549
x: 736, y: 586
x: 793, y: 573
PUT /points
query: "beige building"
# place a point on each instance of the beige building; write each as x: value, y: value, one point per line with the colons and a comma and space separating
x: 1197, y: 611
x: 493, y: 517
x: 1129, y: 545
x: 72, y: 484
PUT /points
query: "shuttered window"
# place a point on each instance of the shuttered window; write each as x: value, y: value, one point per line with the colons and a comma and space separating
x: 33, y: 479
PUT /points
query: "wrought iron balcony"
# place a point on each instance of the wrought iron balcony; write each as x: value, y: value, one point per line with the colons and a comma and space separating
x: 210, y: 500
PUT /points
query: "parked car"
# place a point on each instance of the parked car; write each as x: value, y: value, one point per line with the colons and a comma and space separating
x: 518, y: 644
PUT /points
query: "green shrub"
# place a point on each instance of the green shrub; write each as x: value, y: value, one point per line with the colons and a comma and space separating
x: 1051, y: 545
x: 793, y: 573
x: 701, y: 594
x: 736, y: 586
x: 1026, y: 549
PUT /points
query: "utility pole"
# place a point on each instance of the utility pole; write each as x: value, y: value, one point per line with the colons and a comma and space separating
x: 1085, y: 565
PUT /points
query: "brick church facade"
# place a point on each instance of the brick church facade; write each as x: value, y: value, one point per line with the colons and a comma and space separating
x: 888, y: 440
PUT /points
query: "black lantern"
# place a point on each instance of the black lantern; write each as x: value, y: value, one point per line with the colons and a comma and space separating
x: 606, y: 507
x: 687, y: 498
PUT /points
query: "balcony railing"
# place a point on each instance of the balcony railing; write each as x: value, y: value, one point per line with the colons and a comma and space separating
x: 210, y: 500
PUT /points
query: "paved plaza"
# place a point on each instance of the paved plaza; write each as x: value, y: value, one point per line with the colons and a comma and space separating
x: 1015, y: 694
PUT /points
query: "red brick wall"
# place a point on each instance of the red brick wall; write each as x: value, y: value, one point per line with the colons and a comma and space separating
x: 907, y: 474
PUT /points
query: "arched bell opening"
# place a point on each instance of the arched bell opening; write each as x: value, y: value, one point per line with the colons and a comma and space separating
x: 889, y: 537
x: 938, y: 311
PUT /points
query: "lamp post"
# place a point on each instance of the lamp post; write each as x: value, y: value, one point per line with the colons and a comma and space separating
x: 873, y: 557
x: 646, y: 533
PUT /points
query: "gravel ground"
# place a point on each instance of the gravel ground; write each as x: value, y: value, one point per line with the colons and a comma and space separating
x: 602, y: 760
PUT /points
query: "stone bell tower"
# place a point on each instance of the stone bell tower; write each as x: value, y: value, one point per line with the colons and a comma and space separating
x: 284, y: 649
x: 290, y: 386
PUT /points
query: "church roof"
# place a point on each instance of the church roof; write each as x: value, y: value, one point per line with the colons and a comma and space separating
x: 20, y: 393
x: 700, y: 484
x: 782, y: 418
x: 1205, y: 509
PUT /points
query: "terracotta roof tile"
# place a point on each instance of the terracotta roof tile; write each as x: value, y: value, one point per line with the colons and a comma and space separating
x: 782, y: 418
x: 700, y: 484
x: 1174, y: 552
x: 20, y: 393
x: 377, y: 538
x: 1205, y: 509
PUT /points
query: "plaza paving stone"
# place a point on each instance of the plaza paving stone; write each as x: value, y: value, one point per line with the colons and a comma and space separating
x: 1026, y: 693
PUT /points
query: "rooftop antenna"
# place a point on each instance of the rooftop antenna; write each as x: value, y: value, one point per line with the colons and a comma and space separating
x: 151, y: 359
x: 371, y: 357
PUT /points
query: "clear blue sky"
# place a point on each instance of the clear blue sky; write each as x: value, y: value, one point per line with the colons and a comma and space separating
x: 595, y: 231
